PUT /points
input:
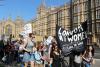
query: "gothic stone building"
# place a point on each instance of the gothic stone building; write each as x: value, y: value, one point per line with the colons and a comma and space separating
x: 45, y: 22
x: 8, y: 27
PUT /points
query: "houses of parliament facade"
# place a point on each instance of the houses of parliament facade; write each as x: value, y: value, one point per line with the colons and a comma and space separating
x: 44, y: 24
x: 47, y: 17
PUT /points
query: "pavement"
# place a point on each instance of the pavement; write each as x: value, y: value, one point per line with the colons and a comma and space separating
x: 97, y: 63
x: 97, y: 53
x: 96, y: 57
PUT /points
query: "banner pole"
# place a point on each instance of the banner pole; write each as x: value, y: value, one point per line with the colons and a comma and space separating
x: 71, y: 15
x: 89, y: 23
x: 57, y: 18
x: 71, y: 57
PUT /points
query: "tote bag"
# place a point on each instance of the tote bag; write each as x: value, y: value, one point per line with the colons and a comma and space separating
x: 37, y: 56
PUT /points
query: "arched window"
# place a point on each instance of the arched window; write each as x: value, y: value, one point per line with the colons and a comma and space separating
x: 8, y: 30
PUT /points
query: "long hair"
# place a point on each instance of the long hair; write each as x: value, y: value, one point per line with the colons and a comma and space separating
x: 88, y: 50
x: 54, y: 46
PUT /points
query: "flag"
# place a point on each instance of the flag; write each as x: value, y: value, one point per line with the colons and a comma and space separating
x: 72, y: 40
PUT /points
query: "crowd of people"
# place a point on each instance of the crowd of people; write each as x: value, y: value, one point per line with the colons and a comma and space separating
x: 27, y: 52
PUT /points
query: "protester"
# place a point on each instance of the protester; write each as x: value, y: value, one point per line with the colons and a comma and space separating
x: 38, y: 57
x: 45, y: 56
x: 28, y: 54
x: 1, y: 49
x: 21, y: 52
x: 16, y: 45
x: 41, y: 47
x: 8, y: 53
x: 88, y: 56
x: 45, y: 49
x: 55, y: 55
x: 78, y: 59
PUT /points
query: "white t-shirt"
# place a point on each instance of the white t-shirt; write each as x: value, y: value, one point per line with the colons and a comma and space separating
x: 78, y: 59
x: 21, y: 47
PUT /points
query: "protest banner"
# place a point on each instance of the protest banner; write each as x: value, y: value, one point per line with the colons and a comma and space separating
x: 72, y: 40
x: 26, y: 29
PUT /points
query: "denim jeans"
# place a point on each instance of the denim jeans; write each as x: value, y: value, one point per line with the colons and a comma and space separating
x: 22, y: 65
x: 87, y: 65
x: 50, y: 65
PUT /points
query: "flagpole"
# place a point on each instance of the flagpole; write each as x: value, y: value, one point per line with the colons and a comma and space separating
x: 57, y: 18
x: 71, y: 15
x: 71, y: 57
x: 89, y: 23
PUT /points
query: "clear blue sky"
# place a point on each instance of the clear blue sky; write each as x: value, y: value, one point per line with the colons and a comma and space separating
x: 27, y: 9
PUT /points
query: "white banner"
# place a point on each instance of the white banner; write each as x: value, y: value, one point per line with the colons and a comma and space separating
x: 48, y: 41
x: 26, y: 29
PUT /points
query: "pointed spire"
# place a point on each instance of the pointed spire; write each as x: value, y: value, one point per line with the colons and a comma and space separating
x: 9, y: 18
x: 18, y: 18
x: 42, y: 4
x: 42, y: 8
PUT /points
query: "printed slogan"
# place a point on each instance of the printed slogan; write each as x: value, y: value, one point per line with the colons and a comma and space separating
x: 72, y: 40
